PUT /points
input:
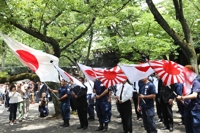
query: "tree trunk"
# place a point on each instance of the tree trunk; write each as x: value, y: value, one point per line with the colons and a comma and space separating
x: 21, y: 76
x: 89, y: 46
x: 55, y: 101
x: 3, y: 56
x: 187, y: 44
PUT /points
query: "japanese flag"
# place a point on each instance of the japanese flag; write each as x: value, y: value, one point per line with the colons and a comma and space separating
x: 136, y: 72
x: 88, y: 72
x: 67, y: 77
x: 37, y: 61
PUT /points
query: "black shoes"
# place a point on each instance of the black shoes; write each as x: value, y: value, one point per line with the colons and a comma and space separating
x: 120, y: 122
x: 79, y: 127
x: 171, y: 129
x: 91, y: 118
x: 181, y: 123
x: 99, y: 129
x: 65, y: 124
x: 159, y: 120
x: 164, y: 128
x: 118, y: 116
x: 106, y: 127
x: 84, y: 127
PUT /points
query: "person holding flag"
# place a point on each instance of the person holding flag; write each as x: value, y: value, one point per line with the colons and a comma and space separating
x: 192, y: 105
x: 166, y: 100
x: 146, y: 105
x: 64, y: 98
x: 102, y: 107
x: 80, y: 95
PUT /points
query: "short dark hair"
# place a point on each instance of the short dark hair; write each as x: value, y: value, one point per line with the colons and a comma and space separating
x: 12, y: 86
x: 81, y: 78
x: 64, y: 80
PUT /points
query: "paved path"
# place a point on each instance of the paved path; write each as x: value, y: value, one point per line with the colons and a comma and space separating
x: 36, y: 124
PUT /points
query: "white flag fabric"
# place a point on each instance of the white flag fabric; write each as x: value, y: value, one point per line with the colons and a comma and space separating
x: 136, y: 72
x: 67, y: 77
x: 88, y: 72
x: 36, y: 60
x: 189, y: 78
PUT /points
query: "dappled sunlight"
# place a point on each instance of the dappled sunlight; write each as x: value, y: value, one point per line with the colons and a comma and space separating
x: 33, y: 127
x: 1, y: 111
x: 35, y: 124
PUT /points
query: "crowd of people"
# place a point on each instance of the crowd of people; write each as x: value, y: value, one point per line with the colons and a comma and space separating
x: 18, y: 97
x: 94, y: 96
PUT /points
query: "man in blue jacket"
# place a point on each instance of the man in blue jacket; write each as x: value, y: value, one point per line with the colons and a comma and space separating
x: 102, y: 106
x: 64, y: 98
x: 146, y: 105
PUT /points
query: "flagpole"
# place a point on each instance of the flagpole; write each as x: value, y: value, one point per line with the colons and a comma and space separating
x: 52, y: 91
x: 56, y: 69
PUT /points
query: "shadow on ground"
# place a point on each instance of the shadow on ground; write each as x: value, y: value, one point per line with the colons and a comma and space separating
x: 36, y: 124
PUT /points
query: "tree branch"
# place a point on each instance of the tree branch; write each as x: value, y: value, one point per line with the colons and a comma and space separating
x: 196, y: 6
x: 79, y: 36
x: 46, y: 24
x: 142, y: 54
x: 162, y: 22
x: 117, y: 31
x: 89, y: 46
x: 185, y: 27
x: 176, y: 8
x: 137, y: 51
x: 69, y: 59
x: 132, y: 28
x: 75, y: 10
x: 33, y: 32
x: 118, y: 10
x: 54, y: 18
x: 38, y: 35
x: 42, y: 16
x: 148, y: 29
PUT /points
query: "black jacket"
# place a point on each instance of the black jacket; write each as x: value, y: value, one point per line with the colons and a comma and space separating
x: 82, y: 95
x: 166, y: 93
x: 43, y: 90
x: 160, y: 86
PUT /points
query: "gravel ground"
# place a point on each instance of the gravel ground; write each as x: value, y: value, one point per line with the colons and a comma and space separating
x: 35, y: 124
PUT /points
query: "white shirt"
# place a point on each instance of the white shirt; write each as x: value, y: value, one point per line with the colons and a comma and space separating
x: 155, y: 82
x: 20, y: 97
x: 136, y: 87
x: 90, y: 86
x: 41, y: 86
x: 117, y: 85
x: 13, y: 98
x: 127, y: 92
x: 2, y: 89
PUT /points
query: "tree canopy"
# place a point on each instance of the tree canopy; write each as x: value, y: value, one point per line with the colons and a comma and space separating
x: 72, y: 29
